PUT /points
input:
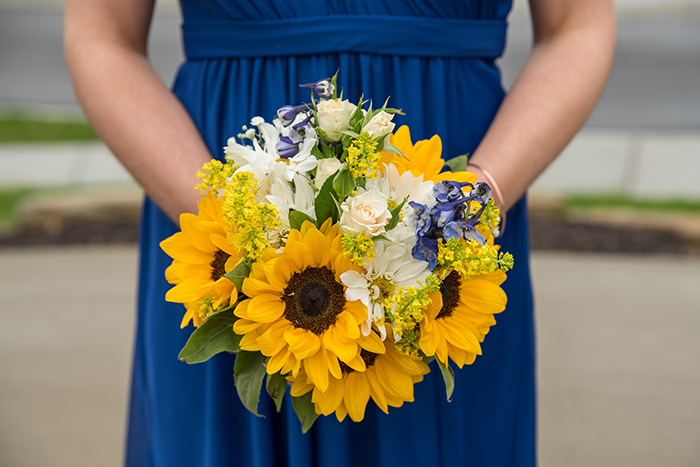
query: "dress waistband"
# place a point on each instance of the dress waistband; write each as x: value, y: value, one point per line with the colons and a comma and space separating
x: 387, y: 35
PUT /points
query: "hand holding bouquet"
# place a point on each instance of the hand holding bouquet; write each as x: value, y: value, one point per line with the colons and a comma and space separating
x: 336, y: 258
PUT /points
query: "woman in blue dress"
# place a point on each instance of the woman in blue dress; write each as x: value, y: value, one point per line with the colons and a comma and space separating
x: 435, y: 58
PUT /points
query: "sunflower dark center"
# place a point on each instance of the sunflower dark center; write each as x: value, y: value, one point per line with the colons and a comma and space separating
x: 313, y: 299
x: 366, y: 355
x: 218, y: 265
x: 449, y: 289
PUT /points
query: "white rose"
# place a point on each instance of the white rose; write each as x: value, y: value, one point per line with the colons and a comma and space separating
x: 333, y: 116
x: 326, y: 168
x: 367, y: 213
x: 380, y: 125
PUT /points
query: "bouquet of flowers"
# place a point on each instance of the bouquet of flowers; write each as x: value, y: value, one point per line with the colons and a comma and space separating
x: 337, y: 259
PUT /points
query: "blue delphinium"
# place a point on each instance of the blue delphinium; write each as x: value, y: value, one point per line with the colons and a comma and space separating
x: 287, y: 148
x: 448, y: 218
x: 323, y: 88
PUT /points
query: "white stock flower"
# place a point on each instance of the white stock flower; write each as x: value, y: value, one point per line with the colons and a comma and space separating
x: 380, y: 125
x: 286, y: 197
x: 393, y: 267
x: 366, y: 213
x: 334, y: 116
x: 326, y: 168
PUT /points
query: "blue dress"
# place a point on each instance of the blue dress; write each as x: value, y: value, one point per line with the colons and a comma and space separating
x: 435, y: 58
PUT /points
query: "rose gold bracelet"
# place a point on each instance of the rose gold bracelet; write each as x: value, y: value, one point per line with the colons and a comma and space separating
x: 497, y: 192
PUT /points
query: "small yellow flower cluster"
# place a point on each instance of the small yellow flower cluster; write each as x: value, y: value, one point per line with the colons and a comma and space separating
x: 249, y: 220
x: 357, y: 248
x: 470, y: 258
x: 489, y: 218
x: 409, y: 305
x: 206, y: 307
x: 363, y: 157
x: 214, y: 177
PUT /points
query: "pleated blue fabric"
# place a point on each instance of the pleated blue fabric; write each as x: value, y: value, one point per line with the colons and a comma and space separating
x: 183, y: 415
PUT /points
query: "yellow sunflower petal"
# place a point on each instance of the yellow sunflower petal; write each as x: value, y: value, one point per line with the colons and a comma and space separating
x: 318, y: 245
x: 244, y: 326
x: 180, y: 249
x: 333, y: 364
x: 341, y: 412
x: 185, y: 291
x: 329, y: 400
x: 376, y: 390
x: 356, y: 395
x: 277, y: 361
x: 429, y: 340
x: 301, y: 342
x: 265, y: 308
x: 253, y: 287
x: 358, y: 364
x: 372, y: 343
x: 345, y: 350
x: 299, y: 388
x: 272, y: 341
x: 317, y: 371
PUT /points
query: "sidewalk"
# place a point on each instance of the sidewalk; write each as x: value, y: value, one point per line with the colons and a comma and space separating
x: 617, y: 358
x: 658, y: 165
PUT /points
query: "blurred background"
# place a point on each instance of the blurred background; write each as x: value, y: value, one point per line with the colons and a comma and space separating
x: 615, y: 227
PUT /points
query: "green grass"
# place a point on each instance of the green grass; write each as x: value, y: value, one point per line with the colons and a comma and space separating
x: 9, y: 200
x: 612, y: 201
x: 19, y: 128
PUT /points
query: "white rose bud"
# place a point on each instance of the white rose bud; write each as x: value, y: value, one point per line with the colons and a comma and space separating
x: 333, y: 116
x: 380, y: 125
x: 367, y: 213
x: 326, y: 168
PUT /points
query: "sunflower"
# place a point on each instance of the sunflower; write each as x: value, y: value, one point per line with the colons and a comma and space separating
x: 388, y: 379
x: 461, y: 315
x: 297, y: 312
x: 201, y: 256
x: 424, y: 158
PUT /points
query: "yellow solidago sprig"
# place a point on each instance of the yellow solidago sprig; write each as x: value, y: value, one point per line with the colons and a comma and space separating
x: 248, y: 219
x: 214, y: 177
x: 471, y: 259
x: 357, y: 248
x: 363, y: 158
x: 408, y: 307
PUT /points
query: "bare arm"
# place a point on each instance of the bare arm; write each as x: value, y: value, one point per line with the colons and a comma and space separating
x: 131, y: 109
x: 554, y: 94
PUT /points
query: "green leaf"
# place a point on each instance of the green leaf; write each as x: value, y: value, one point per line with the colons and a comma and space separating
x: 394, y: 111
x: 349, y: 133
x: 343, y: 183
x: 368, y: 116
x: 334, y: 80
x: 449, y: 376
x: 327, y: 152
x: 248, y: 374
x: 276, y: 387
x: 238, y: 274
x: 316, y: 152
x: 395, y: 214
x: 356, y: 117
x: 297, y: 218
x: 325, y: 204
x: 457, y: 164
x: 388, y: 147
x: 305, y: 411
x: 214, y: 336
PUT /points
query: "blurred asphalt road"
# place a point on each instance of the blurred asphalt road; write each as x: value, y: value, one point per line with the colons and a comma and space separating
x: 654, y: 82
